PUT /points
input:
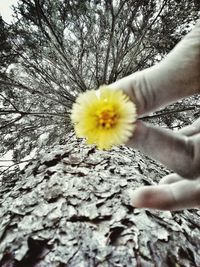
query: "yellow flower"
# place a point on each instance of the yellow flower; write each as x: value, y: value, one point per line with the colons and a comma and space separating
x: 105, y: 117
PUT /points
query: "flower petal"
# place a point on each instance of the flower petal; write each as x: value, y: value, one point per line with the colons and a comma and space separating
x: 104, y: 117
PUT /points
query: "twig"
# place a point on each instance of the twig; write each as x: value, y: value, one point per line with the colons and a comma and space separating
x: 167, y: 113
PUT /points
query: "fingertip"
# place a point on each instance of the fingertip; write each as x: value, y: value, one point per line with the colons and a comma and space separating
x: 153, y: 197
x: 142, y: 197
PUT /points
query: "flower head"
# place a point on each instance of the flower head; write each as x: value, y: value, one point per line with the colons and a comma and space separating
x: 105, y: 117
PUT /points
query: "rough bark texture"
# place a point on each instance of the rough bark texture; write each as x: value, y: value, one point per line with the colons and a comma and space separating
x: 72, y: 208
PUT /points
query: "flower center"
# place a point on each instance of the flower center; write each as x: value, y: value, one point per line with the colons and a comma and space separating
x: 107, y: 118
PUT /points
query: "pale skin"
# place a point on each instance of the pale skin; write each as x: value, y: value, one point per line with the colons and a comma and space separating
x: 175, y: 77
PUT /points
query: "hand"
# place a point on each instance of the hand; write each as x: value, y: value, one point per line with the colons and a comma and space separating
x: 173, y: 192
x: 175, y: 77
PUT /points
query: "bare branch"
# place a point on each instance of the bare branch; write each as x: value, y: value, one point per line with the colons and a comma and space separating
x: 160, y: 114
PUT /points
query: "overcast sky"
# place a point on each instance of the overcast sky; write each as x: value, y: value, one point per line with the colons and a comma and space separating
x: 5, y: 9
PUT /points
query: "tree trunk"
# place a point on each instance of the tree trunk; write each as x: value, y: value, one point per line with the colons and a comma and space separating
x: 71, y: 207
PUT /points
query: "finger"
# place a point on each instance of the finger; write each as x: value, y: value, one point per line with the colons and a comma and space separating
x: 180, y: 195
x: 191, y: 129
x: 178, y: 152
x: 171, y: 178
x: 175, y: 77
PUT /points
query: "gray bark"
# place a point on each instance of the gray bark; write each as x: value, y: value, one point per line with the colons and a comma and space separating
x: 71, y: 207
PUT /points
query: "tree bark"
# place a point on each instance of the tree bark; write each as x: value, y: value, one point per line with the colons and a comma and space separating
x: 71, y: 207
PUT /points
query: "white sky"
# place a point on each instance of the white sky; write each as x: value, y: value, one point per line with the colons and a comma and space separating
x: 5, y: 9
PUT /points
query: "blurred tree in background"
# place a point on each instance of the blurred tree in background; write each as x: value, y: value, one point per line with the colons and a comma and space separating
x: 7, y: 56
x: 56, y: 49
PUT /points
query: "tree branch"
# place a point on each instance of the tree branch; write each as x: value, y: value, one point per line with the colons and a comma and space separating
x: 167, y: 113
